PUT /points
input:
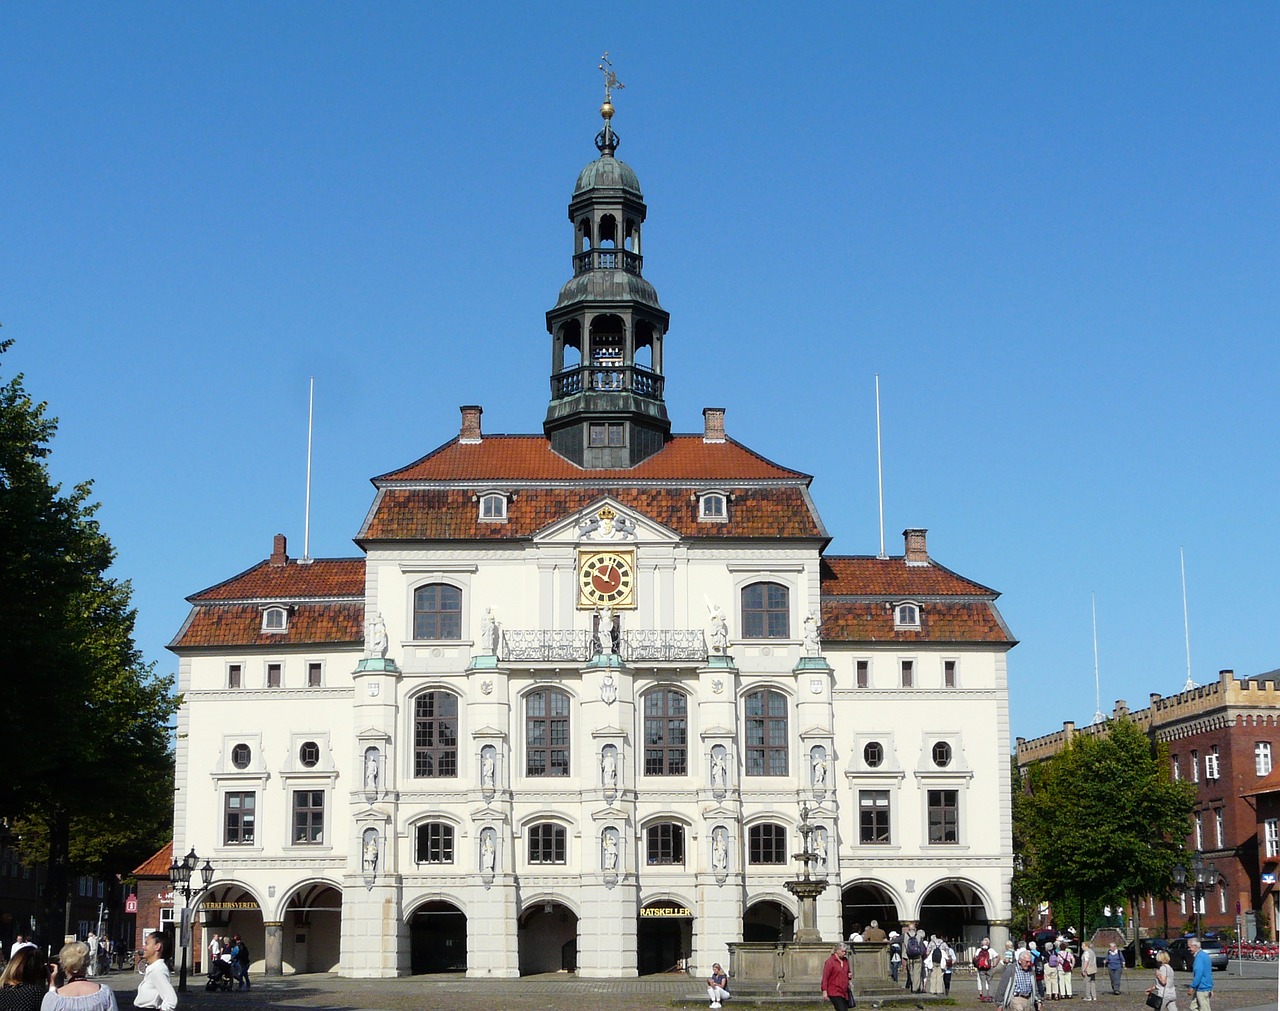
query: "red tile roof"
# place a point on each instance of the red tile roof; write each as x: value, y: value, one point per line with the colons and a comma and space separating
x: 530, y: 458
x: 331, y: 623
x: 453, y: 514
x: 976, y: 621
x: 867, y: 576
x: 1270, y: 783
x: 156, y: 866
x: 321, y: 577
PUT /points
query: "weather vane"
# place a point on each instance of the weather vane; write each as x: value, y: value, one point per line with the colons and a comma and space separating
x: 610, y: 78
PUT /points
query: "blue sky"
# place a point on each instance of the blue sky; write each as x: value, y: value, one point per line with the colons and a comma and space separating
x: 1052, y: 229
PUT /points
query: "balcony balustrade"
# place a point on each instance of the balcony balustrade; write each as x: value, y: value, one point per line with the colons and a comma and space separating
x: 607, y: 259
x: 607, y: 379
x: 533, y: 645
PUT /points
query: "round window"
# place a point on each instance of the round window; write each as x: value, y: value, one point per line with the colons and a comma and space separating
x: 942, y: 754
x: 240, y: 756
x: 873, y: 755
x: 309, y: 754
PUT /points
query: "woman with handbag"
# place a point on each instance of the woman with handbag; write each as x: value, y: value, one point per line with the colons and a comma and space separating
x: 1164, y: 995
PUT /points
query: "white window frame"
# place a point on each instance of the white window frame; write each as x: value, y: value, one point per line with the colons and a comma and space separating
x: 1177, y: 769
x: 707, y: 501
x: 309, y: 665
x: 1199, y: 830
x: 238, y: 667
x: 273, y: 612
x: 1218, y: 825
x: 906, y: 615
x: 1195, y: 766
x: 498, y: 500
x: 955, y: 672
x: 266, y: 673
x: 861, y: 665
x: 1262, y: 758
x: 1222, y: 896
x: 1271, y: 837
x: 1212, y: 764
x: 905, y: 663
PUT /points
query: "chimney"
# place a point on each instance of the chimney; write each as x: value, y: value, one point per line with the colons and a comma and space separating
x: 278, y: 555
x: 916, y: 553
x: 713, y: 424
x: 470, y: 424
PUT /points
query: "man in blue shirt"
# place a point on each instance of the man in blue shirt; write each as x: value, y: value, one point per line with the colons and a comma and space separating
x: 1201, y: 988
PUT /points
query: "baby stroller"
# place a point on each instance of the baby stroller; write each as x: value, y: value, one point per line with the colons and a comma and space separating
x: 220, y: 976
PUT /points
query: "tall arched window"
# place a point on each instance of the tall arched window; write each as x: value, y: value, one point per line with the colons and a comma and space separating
x: 437, y: 612
x: 766, y: 751
x: 546, y: 733
x: 435, y: 735
x: 766, y: 611
x: 666, y: 732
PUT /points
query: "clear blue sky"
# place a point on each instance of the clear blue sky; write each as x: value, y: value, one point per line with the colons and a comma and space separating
x: 1053, y: 229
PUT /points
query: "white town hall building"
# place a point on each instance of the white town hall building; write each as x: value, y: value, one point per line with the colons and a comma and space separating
x: 566, y: 708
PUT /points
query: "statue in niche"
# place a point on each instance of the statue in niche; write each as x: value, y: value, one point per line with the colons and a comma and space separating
x: 719, y: 631
x: 609, y: 768
x: 718, y: 769
x: 370, y: 854
x: 487, y: 767
x: 377, y: 637
x: 812, y: 642
x: 820, y: 848
x: 610, y: 851
x: 488, y: 852
x: 371, y: 769
x: 819, y: 768
x: 719, y: 849
x: 488, y: 634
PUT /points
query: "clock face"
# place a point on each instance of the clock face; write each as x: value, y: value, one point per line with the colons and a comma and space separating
x: 606, y: 579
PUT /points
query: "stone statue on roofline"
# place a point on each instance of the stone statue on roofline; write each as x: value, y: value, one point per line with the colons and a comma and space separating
x: 377, y: 638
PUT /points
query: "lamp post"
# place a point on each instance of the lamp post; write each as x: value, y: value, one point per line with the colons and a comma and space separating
x: 180, y: 877
x: 1201, y: 873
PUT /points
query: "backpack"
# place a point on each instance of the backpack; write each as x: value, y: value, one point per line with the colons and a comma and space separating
x: 937, y: 954
x: 982, y: 960
x: 914, y: 948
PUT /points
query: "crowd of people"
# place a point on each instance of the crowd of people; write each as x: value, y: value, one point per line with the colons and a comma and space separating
x: 229, y: 960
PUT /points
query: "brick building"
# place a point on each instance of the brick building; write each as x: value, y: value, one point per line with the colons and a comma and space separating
x: 1223, y: 737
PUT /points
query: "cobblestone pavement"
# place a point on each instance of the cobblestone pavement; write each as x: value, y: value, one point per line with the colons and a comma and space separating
x: 562, y: 992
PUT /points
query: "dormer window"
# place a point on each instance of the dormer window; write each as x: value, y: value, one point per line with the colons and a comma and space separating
x: 906, y: 616
x: 493, y: 507
x: 275, y: 619
x: 713, y: 506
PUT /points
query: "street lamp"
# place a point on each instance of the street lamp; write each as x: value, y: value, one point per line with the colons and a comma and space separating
x: 1202, y: 873
x: 180, y: 877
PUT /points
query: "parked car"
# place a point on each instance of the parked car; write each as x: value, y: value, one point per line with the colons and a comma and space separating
x: 1180, y: 953
x: 1147, y: 949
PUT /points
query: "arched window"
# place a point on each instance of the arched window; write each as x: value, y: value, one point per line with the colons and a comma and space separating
x: 766, y: 752
x: 437, y: 612
x: 435, y: 735
x: 665, y: 843
x: 275, y: 619
x: 547, y: 843
x: 712, y: 505
x: 433, y: 843
x: 768, y: 844
x: 907, y: 616
x: 546, y: 733
x: 666, y: 732
x: 493, y: 506
x: 766, y: 611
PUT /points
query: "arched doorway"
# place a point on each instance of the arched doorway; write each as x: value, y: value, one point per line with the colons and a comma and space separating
x: 768, y: 921
x: 863, y: 902
x: 313, y: 929
x: 954, y: 910
x: 548, y: 938
x: 664, y: 937
x: 437, y: 938
x: 230, y: 909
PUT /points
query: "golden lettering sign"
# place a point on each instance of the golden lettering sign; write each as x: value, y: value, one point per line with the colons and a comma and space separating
x: 666, y: 911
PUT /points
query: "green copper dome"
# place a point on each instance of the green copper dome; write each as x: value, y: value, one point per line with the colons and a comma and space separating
x: 607, y: 172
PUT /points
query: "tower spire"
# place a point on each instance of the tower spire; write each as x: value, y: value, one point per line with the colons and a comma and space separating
x: 606, y: 139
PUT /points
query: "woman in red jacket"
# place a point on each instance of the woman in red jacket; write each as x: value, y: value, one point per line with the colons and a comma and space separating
x: 836, y: 977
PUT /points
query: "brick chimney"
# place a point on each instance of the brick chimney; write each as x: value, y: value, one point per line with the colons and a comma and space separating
x: 713, y: 424
x: 915, y: 546
x: 470, y: 423
x: 278, y: 551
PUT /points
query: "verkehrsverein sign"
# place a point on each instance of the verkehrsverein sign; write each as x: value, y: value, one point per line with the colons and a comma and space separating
x: 671, y: 912
x: 249, y: 904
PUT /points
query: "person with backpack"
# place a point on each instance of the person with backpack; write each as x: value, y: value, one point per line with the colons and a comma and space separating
x: 915, y: 959
x: 895, y: 954
x: 1066, y: 962
x: 982, y: 962
x: 935, y: 960
x: 1052, y: 964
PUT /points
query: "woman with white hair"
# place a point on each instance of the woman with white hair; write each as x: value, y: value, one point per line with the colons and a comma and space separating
x: 77, y: 994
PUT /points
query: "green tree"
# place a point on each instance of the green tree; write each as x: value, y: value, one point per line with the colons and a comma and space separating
x: 86, y: 740
x: 1102, y: 821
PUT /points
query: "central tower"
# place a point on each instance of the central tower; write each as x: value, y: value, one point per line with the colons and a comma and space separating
x: 607, y: 326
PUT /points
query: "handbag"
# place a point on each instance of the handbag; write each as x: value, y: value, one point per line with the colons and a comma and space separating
x: 1155, y: 1001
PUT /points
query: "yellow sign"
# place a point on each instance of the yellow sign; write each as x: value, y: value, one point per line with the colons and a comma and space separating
x: 666, y: 912
x: 229, y: 905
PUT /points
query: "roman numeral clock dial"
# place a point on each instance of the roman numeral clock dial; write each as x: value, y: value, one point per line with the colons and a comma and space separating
x: 606, y: 578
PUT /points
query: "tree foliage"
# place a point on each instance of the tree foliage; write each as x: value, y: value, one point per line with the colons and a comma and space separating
x: 86, y: 740
x: 1102, y: 820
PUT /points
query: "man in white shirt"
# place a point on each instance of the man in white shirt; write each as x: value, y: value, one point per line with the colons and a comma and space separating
x: 156, y: 989
x: 19, y: 942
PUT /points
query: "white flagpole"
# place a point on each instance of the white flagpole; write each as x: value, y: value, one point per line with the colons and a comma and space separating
x: 1097, y: 684
x: 1186, y: 624
x: 306, y: 524
x: 880, y: 467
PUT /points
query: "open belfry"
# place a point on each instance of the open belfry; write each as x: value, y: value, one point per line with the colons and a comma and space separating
x: 570, y: 702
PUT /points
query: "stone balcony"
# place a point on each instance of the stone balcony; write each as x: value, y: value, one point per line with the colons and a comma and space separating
x: 525, y: 645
